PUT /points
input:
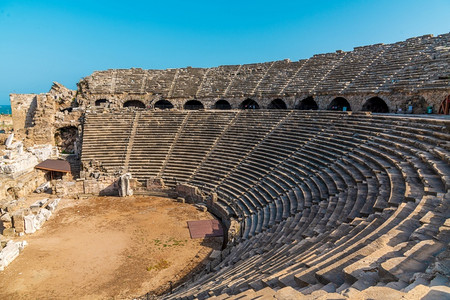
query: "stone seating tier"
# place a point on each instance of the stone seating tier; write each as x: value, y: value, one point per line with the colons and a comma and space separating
x: 328, y: 203
x: 415, y: 64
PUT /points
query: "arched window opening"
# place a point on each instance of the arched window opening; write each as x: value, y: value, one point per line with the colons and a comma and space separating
x: 308, y: 104
x: 193, y: 105
x: 277, y: 104
x: 163, y: 104
x: 134, y: 103
x: 101, y: 102
x: 222, y: 104
x: 249, y: 104
x: 375, y: 105
x: 339, y: 104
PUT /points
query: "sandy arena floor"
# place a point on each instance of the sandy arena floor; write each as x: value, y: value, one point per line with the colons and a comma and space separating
x: 107, y: 248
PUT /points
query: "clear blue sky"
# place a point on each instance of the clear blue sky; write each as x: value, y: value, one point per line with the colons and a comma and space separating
x: 65, y: 40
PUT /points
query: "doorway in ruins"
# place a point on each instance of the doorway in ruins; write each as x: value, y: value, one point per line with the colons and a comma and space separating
x: 375, y: 105
x: 307, y: 104
x: 193, y: 105
x: 277, y: 104
x: 134, y: 103
x: 249, y: 104
x: 65, y: 139
x: 339, y: 104
x: 163, y: 104
x: 102, y: 102
x: 222, y: 104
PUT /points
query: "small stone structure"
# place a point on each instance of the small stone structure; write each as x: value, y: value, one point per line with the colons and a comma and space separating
x: 190, y: 193
x: 125, y: 186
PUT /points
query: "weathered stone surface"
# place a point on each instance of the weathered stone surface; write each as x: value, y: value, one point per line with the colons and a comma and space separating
x: 30, y: 224
x: 400, y: 268
x: 9, y: 140
x: 18, y: 221
x: 52, y: 204
x: 10, y: 252
x: 9, y: 232
x: 124, y: 185
x: 6, y: 217
x: 45, y: 213
x: 288, y: 293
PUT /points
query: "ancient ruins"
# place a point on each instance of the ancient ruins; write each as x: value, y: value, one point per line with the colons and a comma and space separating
x: 330, y: 175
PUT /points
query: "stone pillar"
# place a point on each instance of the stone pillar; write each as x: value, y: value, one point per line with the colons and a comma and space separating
x: 124, y: 185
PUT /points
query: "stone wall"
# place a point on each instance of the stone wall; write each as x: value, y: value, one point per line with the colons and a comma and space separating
x: 398, y: 72
x: 23, y: 107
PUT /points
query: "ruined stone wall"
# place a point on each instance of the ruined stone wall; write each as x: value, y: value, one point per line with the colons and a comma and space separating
x: 415, y: 71
x: 23, y: 107
x: 38, y: 118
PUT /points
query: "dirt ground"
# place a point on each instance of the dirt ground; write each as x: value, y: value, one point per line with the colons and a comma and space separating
x: 107, y: 248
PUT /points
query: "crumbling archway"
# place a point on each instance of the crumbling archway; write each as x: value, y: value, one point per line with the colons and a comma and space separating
x: 163, y: 104
x: 193, y: 105
x: 339, y: 104
x: 308, y: 104
x: 375, y: 105
x: 134, y: 103
x: 222, y: 104
x: 277, y: 104
x: 101, y: 102
x: 249, y: 104
x: 65, y: 138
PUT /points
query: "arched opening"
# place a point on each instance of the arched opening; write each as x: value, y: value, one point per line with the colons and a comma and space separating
x: 339, y: 104
x: 193, y: 105
x: 277, y: 104
x: 134, y: 103
x: 249, y: 104
x: 65, y: 139
x: 308, y: 104
x: 375, y: 105
x: 222, y: 104
x: 101, y: 102
x: 163, y: 104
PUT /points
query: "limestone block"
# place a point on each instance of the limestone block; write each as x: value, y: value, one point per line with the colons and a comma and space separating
x: 10, y: 232
x: 18, y: 221
x: 40, y: 203
x: 6, y: 217
x: 9, y: 140
x: 43, y: 187
x: 30, y: 224
x: 45, y: 213
x: 215, y: 254
x: 288, y: 293
x: 42, y: 152
x: 40, y: 220
x: 52, y: 204
x: 8, y: 254
x: 400, y: 268
x: 91, y: 187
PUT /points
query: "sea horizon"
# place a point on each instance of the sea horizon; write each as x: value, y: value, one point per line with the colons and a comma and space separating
x: 5, y: 109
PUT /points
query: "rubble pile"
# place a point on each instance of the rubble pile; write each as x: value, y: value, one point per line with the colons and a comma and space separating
x: 16, y: 161
x: 18, y: 219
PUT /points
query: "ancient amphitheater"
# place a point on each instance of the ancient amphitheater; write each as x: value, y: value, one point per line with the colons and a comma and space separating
x: 331, y: 175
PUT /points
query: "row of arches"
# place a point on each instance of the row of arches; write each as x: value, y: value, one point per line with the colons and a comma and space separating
x: 374, y: 104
